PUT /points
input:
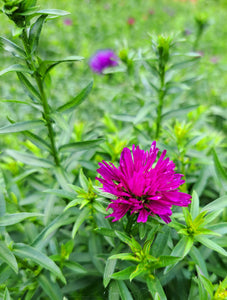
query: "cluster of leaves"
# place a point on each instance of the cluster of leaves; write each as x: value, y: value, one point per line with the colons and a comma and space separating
x: 55, y: 241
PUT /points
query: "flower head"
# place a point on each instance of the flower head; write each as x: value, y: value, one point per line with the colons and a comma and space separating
x: 131, y: 21
x: 140, y: 186
x: 68, y: 22
x: 102, y: 60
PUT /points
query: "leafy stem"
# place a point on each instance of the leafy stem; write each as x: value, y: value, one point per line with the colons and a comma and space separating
x: 161, y: 95
x: 46, y: 110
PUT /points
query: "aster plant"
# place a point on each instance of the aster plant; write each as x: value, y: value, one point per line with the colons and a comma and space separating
x: 140, y: 233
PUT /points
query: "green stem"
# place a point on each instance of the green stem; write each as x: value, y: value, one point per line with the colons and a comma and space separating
x: 161, y: 96
x: 46, y: 109
x: 131, y: 221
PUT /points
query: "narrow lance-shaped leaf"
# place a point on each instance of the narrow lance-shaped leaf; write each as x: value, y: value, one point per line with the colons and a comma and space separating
x: 124, y: 292
x: 11, y: 219
x: 81, y: 218
x: 194, y: 210
x: 51, y: 289
x: 7, y: 256
x: 178, y: 112
x: 80, y: 146
x: 138, y: 271
x: 125, y: 256
x: 48, y: 65
x: 38, y: 141
x: 215, y: 205
x: 71, y: 105
x: 6, y: 295
x: 205, y: 282
x: 21, y: 126
x: 29, y: 89
x: 155, y: 287
x: 109, y: 269
x: 30, y: 159
x: 12, y: 47
x: 181, y: 249
x: 211, y: 244
x: 124, y: 274
x: 28, y: 252
x: 35, y: 31
x: 16, y: 68
x: 222, y: 175
x: 56, y: 12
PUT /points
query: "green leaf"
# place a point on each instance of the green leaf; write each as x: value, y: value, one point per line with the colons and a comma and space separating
x: 30, y: 159
x: 198, y: 259
x: 154, y: 287
x: 194, y: 208
x: 219, y: 228
x: 7, y: 256
x: 205, y: 282
x: 6, y: 295
x: 124, y: 292
x: 125, y: 256
x: 35, y: 31
x: 215, y: 205
x: 61, y: 193
x: 47, y: 65
x: 56, y: 12
x: 38, y: 141
x: 80, y: 146
x: 28, y: 87
x: 160, y: 242
x: 138, y: 271
x: 211, y: 244
x: 75, y: 267
x: 5, y: 273
x: 81, y: 218
x: 181, y: 249
x: 166, y: 260
x: 28, y: 252
x: 126, y: 239
x: 221, y: 174
x: 105, y: 231
x: 72, y: 104
x: 59, y: 221
x: 12, y: 47
x: 16, y: 68
x: 83, y: 180
x: 109, y: 269
x: 124, y: 274
x: 113, y: 291
x: 11, y: 219
x: 50, y: 288
x: 21, y: 126
x: 73, y: 203
x: 178, y: 112
x: 202, y: 180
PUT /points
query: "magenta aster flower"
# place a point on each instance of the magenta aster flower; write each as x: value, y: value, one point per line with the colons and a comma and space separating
x: 102, y: 60
x: 141, y: 186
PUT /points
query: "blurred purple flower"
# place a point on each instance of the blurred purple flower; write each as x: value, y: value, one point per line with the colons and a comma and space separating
x: 140, y: 186
x: 131, y: 21
x: 103, y: 59
x: 68, y: 22
x: 214, y: 59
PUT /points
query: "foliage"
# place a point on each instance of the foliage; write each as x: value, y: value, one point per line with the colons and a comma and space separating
x: 59, y: 121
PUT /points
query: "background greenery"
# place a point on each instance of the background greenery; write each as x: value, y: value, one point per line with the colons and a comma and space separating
x: 120, y: 110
